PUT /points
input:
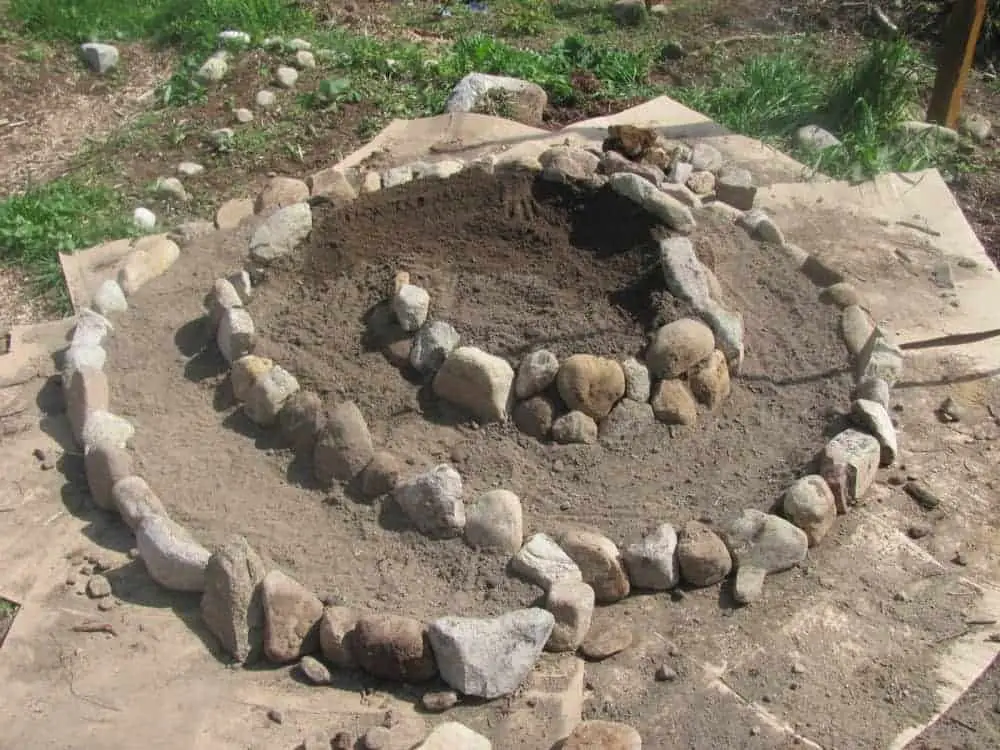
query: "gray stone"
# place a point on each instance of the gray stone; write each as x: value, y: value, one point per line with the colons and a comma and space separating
x: 98, y: 587
x: 678, y: 346
x: 268, y: 394
x: 291, y: 618
x: 305, y: 60
x: 245, y: 372
x: 144, y: 219
x: 432, y: 345
x: 109, y: 298
x: 476, y: 381
x: 336, y: 636
x: 627, y: 420
x: 91, y: 329
x: 82, y: 357
x: 433, y: 502
x: 700, y: 182
x: 411, y: 304
x: 652, y: 562
x: 762, y: 544
x: 543, y: 562
x: 105, y: 428
x: 709, y: 380
x: 534, y: 417
x: 394, y: 648
x: 488, y: 658
x: 637, y: 382
x: 871, y: 416
x: 86, y: 392
x: 266, y: 100
x: 314, y: 670
x: 494, y: 521
x: 762, y: 227
x: 600, y: 564
x: 606, y: 735
x: 735, y: 187
x: 454, y: 736
x: 536, y: 372
x: 214, y: 69
x: 705, y: 157
x: 669, y: 210
x: 333, y: 184
x: 574, y: 427
x: 809, y: 504
x: 842, y: 294
x: 590, y: 384
x: 881, y: 358
x: 173, y: 558
x: 567, y: 164
x: 612, y: 163
x: 527, y: 100
x: 873, y: 389
x: 977, y: 127
x: 572, y: 606
x: 135, y: 501
x: 241, y: 283
x: 680, y: 171
x: 685, y: 276
x: 702, y: 556
x: 930, y: 131
x: 282, y: 233
x: 222, y: 297
x: 231, y: 605
x: 105, y: 465
x: 728, y: 329
x: 849, y: 463
x: 236, y: 336
x: 286, y: 77
x: 856, y: 327
x: 815, y: 138
x: 243, y: 115
x: 344, y: 446
x: 376, y: 738
x: 101, y: 58
x: 673, y: 403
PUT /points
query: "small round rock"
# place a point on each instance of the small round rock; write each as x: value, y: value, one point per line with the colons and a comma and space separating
x: 606, y: 735
x: 376, y: 738
x: 665, y: 674
x: 607, y: 640
x: 314, y: 670
x: 439, y: 700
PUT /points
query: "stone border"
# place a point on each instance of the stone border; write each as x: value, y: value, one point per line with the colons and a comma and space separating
x: 256, y: 612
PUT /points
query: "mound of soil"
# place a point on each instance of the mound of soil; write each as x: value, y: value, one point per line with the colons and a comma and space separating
x: 513, y: 264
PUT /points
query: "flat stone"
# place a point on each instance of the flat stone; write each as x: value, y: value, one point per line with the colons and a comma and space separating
x: 454, y: 736
x: 281, y: 192
x: 702, y: 556
x: 105, y: 465
x: 575, y: 427
x: 607, y: 639
x: 222, y: 297
x: 815, y: 138
x: 432, y: 345
x: 172, y: 556
x: 669, y: 210
x: 527, y: 100
x: 572, y: 605
x: 534, y: 417
x: 652, y: 562
x: 232, y: 604
x: 842, y: 294
x: 105, y: 428
x: 491, y: 657
x: 87, y: 391
x: 589, y: 384
x: 536, y: 372
x: 735, y: 187
x: 150, y: 258
x: 762, y: 544
x: 873, y: 389
x: 494, y: 522
x: 189, y: 169
x: 314, y: 671
x: 856, y: 326
x: 382, y: 474
x: 135, y: 501
x: 603, y: 735
x: 476, y: 381
x: 613, y: 162
x: 567, y: 164
x: 600, y: 564
x: 394, y: 648
x: 344, y: 446
x: 873, y: 417
x: 336, y: 636
x: 809, y: 504
x: 233, y: 212
x: 266, y: 100
x: 100, y: 58
x: 242, y: 284
x: 686, y: 277
x: 637, y: 380
x: 332, y: 183
x: 433, y: 502
x: 673, y: 403
x: 282, y: 233
x: 543, y: 562
x: 706, y: 157
x: 268, y: 395
x: 709, y: 380
x: 881, y: 358
x: 291, y: 618
x: 849, y: 463
x: 678, y: 346
x: 109, y: 298
x: 411, y: 305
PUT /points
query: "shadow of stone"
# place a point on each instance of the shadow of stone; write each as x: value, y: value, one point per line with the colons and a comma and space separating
x: 193, y: 337
x: 391, y: 517
x: 223, y: 399
x: 264, y: 438
x: 439, y: 411
x: 300, y: 471
x: 727, y: 595
x: 836, y: 425
x: 207, y: 363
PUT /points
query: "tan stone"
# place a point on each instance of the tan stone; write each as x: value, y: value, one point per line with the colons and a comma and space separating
x: 592, y: 385
x: 673, y: 403
x: 280, y: 192
x: 709, y: 380
x: 233, y: 212
x: 331, y: 183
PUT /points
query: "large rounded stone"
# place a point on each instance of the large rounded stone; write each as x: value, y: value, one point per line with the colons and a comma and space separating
x: 477, y: 382
x: 679, y: 346
x: 232, y: 606
x: 709, y: 380
x: 291, y: 618
x: 572, y: 605
x: 810, y: 505
x: 761, y: 544
x: 173, y: 558
x: 673, y: 403
x: 592, y: 385
x: 602, y: 735
x: 301, y: 419
x: 703, y: 557
x: 336, y: 636
x: 135, y: 501
x: 652, y: 562
x: 105, y: 465
x: 344, y: 446
x: 495, y: 522
x: 394, y: 648
x: 600, y: 564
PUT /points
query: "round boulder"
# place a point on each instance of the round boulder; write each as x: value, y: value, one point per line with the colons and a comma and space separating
x: 679, y: 346
x: 592, y: 385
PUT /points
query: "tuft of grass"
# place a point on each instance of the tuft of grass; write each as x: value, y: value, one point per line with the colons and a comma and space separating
x: 59, y: 216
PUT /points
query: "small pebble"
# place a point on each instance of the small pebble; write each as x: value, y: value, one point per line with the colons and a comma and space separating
x: 275, y: 715
x: 439, y: 701
x: 665, y: 674
x: 133, y: 554
x: 798, y: 668
x: 960, y: 559
x: 918, y: 530
x: 98, y: 587
x: 901, y: 596
x: 376, y: 738
x: 107, y: 604
x: 924, y: 497
x: 949, y: 411
x: 342, y: 741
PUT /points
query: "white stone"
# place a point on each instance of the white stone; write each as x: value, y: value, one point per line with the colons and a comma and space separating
x: 214, y: 69
x: 849, y: 463
x: 144, y: 219
x: 411, y: 304
x: 637, y: 383
x: 476, y: 381
x: 268, y: 394
x: 536, y: 372
x: 91, y: 329
x: 454, y: 736
x: 109, y: 298
x: 809, y: 504
x: 572, y: 605
x: 543, y: 562
x: 233, y: 35
x: 243, y: 115
x: 495, y: 522
x: 173, y: 558
x: 236, y: 335
x: 170, y: 187
x: 304, y: 59
x: 297, y: 44
x: 439, y: 170
x: 266, y: 99
x: 101, y: 58
x: 282, y: 233
x: 105, y: 428
x: 189, y: 168
x: 652, y: 562
x: 815, y: 138
x: 286, y: 77
x: 433, y: 502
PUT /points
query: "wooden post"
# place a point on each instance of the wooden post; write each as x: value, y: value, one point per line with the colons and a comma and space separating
x: 960, y: 36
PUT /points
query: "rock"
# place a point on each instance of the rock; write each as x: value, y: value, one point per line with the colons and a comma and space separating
x: 534, y: 417
x: 439, y: 701
x: 231, y: 606
x: 849, y: 463
x: 344, y: 446
x: 652, y: 562
x: 240, y: 281
x: 135, y: 501
x: 728, y: 329
x: 637, y: 381
x: 709, y: 380
x: 98, y: 587
x: 245, y: 372
x: 411, y: 305
x: 394, y: 648
x: 702, y: 556
x: 314, y: 671
x: 494, y: 522
x: 236, y: 336
x: 100, y: 58
x: 842, y: 294
x: 433, y: 502
x: 381, y: 475
x: 291, y: 618
x: 235, y: 37
x: 536, y: 372
x: 150, y: 257
x: 243, y: 115
x: 336, y: 636
x: 873, y: 389
x: 82, y: 357
x: 304, y: 60
x: 592, y: 385
x: 91, y: 329
x: 669, y: 210
x: 526, y: 100
x: 881, y: 358
x: 629, y: 12
x: 454, y: 736
x: 543, y: 562
x: 268, y: 395
x: 613, y: 162
x: 266, y: 100
x: 762, y: 544
x: 762, y: 227
x: 297, y: 44
x: 105, y: 428
x: 332, y: 183
x: 568, y: 164
x: 856, y: 326
x: 605, y: 735
x: 700, y: 182
x: 86, y: 392
x: 109, y: 298
x: 214, y: 69
x: 600, y: 564
x: 173, y: 558
x: 735, y: 187
x: 815, y: 138
x: 439, y: 170
x: 607, y: 640
x: 572, y: 606
x: 949, y: 412
x: 977, y: 127
x: 477, y: 382
x: 574, y: 427
x: 706, y: 158
x: 170, y: 187
x: 678, y: 346
x: 105, y: 465
x: 371, y: 182
x: 488, y: 658
x: 929, y: 130
x: 872, y: 417
x: 233, y: 212
x: 221, y: 139
x: 282, y: 233
x: 190, y: 231
x: 432, y: 345
x: 144, y: 219
x: 397, y: 176
x: 628, y: 419
x: 673, y: 403
x: 685, y: 276
x: 286, y: 77
x: 809, y: 504
x: 376, y: 738
x: 665, y: 674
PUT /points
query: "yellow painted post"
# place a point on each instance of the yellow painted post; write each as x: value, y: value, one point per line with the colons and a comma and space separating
x: 960, y: 37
